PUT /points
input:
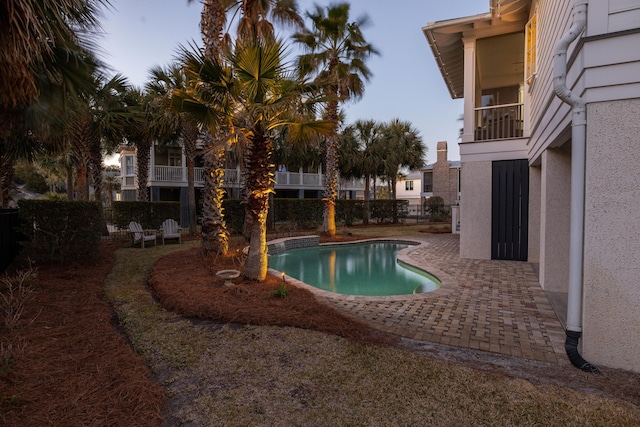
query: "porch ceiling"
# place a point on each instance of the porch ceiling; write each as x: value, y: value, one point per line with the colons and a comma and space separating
x: 445, y: 37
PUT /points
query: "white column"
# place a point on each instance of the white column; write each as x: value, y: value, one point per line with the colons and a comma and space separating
x: 469, y: 88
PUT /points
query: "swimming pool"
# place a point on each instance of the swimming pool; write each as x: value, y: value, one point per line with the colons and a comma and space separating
x: 366, y: 269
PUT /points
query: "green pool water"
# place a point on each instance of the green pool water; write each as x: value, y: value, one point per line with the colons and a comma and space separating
x: 367, y: 269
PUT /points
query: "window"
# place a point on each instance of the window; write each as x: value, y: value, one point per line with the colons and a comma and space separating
x: 530, y: 49
x: 175, y: 157
x: 128, y: 165
x: 408, y: 185
x: 428, y: 182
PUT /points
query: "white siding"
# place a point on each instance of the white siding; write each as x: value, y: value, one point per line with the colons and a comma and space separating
x: 623, y: 15
x: 606, y: 68
x: 549, y: 117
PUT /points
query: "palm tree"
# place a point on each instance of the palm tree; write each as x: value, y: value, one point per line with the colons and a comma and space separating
x: 260, y: 96
x: 43, y: 125
x: 151, y: 118
x: 30, y: 32
x: 253, y: 24
x: 337, y: 52
x: 364, y: 158
x: 404, y: 149
x: 161, y: 86
x: 98, y: 123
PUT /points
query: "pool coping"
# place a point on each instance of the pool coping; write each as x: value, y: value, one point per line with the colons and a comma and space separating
x: 447, y: 283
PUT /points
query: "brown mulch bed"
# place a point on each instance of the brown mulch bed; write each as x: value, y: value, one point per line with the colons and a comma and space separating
x: 204, y: 296
x: 69, y: 365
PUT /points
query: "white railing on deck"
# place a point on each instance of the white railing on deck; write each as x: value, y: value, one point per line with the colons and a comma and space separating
x: 197, y: 175
x: 499, y: 122
x: 233, y: 177
x: 168, y: 173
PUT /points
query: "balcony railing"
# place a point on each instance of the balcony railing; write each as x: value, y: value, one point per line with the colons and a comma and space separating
x: 499, y: 122
x: 233, y: 178
x: 168, y: 173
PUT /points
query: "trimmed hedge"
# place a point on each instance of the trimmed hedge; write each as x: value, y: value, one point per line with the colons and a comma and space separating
x: 392, y: 211
x: 233, y: 211
x: 150, y: 215
x: 305, y: 213
x: 349, y: 212
x: 62, y: 231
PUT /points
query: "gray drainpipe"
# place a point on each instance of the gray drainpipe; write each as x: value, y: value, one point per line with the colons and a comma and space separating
x: 578, y: 157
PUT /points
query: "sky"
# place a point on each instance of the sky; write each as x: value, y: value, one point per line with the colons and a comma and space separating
x: 406, y: 82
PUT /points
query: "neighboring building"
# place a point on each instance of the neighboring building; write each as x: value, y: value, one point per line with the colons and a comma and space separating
x: 168, y: 179
x: 522, y: 147
x: 441, y: 178
x: 409, y: 188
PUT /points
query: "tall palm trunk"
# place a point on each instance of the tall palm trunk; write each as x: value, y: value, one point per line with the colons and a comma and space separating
x: 6, y: 178
x: 96, y: 169
x: 69, y: 169
x: 82, y: 181
x: 367, y: 197
x: 190, y: 137
x: 259, y: 175
x: 211, y: 26
x: 81, y: 141
x: 215, y: 237
x: 330, y: 179
x: 143, y: 154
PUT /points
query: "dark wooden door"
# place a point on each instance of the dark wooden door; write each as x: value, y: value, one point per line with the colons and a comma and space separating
x: 510, y: 210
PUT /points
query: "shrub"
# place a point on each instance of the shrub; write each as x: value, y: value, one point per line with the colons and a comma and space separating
x: 305, y: 213
x: 282, y: 292
x: 349, y: 211
x: 389, y: 210
x: 435, y: 206
x: 15, y: 293
x: 62, y: 231
x: 149, y: 214
x: 233, y: 210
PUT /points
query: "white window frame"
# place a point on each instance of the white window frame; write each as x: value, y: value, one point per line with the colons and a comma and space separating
x: 129, y: 169
x: 531, y: 49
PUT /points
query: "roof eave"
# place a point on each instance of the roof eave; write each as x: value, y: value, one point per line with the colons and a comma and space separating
x: 456, y: 27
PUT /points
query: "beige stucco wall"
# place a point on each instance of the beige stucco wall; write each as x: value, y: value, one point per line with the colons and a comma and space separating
x: 611, y: 323
x: 534, y: 214
x: 475, y: 210
x: 555, y: 219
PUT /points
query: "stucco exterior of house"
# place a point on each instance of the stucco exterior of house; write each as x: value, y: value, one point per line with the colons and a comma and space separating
x: 549, y: 154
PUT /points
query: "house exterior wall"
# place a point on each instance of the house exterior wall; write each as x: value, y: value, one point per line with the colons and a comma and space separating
x: 412, y: 195
x: 475, y: 208
x: 535, y: 182
x: 555, y: 219
x: 548, y: 118
x: 612, y: 230
x: 603, y: 68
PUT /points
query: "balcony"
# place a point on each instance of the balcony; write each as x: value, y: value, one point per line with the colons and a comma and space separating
x: 168, y: 173
x: 499, y: 122
x: 233, y: 178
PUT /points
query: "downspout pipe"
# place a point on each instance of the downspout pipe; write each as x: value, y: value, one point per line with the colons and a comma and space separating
x: 578, y: 159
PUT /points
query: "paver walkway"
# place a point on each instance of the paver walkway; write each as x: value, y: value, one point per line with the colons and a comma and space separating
x: 496, y: 306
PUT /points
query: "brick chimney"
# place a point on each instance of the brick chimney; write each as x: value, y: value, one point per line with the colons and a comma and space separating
x: 441, y: 178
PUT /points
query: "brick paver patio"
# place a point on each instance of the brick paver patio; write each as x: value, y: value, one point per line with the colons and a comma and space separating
x: 496, y: 306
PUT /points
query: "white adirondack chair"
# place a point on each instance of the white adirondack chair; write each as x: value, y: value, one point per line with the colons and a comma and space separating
x: 139, y: 235
x: 171, y: 230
